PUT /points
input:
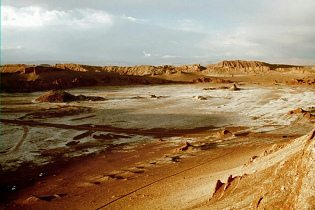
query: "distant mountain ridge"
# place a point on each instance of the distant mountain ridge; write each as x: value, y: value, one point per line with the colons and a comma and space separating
x: 241, y: 64
x: 148, y: 69
x: 28, y: 78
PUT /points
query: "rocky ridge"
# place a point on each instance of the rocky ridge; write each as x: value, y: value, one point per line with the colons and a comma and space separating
x: 28, y: 78
x: 281, y: 178
x: 144, y: 70
x: 249, y: 67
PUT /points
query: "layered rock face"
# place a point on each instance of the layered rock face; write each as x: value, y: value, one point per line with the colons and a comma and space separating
x: 302, y: 81
x: 12, y: 68
x: 142, y: 70
x: 281, y: 178
x: 243, y: 64
x: 302, y: 114
x: 248, y: 67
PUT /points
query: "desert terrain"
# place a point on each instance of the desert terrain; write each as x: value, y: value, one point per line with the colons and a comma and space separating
x: 231, y: 135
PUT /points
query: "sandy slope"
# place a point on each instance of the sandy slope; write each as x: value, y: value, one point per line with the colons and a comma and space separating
x: 282, y: 178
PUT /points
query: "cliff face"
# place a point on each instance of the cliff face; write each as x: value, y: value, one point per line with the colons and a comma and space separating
x: 12, y: 68
x: 239, y: 64
x: 249, y: 67
x: 142, y: 70
x: 242, y: 64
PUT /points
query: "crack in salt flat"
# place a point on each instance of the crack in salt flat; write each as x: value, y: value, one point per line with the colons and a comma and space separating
x: 18, y: 145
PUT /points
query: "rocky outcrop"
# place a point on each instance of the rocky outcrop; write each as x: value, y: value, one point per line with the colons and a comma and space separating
x: 58, y: 96
x: 224, y: 133
x: 210, y: 80
x: 13, y: 68
x: 238, y: 67
x: 234, y: 88
x: 186, y: 147
x: 77, y: 67
x: 243, y: 64
x: 154, y: 70
x: 254, y: 65
x: 201, y: 98
x: 304, y: 114
x: 191, y: 68
x: 303, y: 81
x: 248, y: 67
x: 280, y: 179
x: 39, y: 69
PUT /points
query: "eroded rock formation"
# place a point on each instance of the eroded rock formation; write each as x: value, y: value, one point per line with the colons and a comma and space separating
x: 58, y: 96
x: 248, y: 67
x: 283, y: 178
x: 28, y: 78
x: 304, y: 114
x: 39, y: 78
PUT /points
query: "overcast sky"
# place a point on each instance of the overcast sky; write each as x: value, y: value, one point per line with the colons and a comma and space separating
x: 131, y: 32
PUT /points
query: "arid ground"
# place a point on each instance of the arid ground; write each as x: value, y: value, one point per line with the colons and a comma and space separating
x: 232, y: 135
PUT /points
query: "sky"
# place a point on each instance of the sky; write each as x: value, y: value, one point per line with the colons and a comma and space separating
x: 157, y: 32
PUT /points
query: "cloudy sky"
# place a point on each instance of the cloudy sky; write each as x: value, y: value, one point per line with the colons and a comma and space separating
x: 130, y: 32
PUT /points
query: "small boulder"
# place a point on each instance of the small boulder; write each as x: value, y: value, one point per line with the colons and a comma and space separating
x: 234, y: 88
x: 202, y: 98
x: 224, y: 133
x: 30, y: 200
x: 186, y: 147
